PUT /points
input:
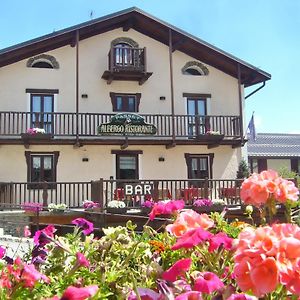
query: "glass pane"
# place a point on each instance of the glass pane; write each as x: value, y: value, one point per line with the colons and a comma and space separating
x: 201, y: 107
x: 191, y: 107
x: 36, y: 103
x: 131, y: 104
x: 47, y: 163
x: 119, y: 103
x: 36, y: 169
x: 48, y: 172
x: 194, y: 163
x: 203, y: 164
x: 127, y: 165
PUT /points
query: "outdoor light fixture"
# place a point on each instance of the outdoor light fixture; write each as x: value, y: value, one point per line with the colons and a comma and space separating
x: 161, y: 158
x: 162, y: 98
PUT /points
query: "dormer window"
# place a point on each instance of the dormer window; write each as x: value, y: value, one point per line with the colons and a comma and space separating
x: 195, y: 68
x: 43, y: 61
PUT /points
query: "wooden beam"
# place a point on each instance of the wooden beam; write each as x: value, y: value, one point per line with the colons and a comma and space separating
x: 172, y: 145
x: 177, y: 45
x: 128, y: 24
x: 210, y: 146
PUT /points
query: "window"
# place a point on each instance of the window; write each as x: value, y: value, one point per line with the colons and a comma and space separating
x: 41, y: 167
x: 41, y: 108
x: 199, y: 166
x: 195, y: 68
x: 43, y: 61
x: 125, y: 102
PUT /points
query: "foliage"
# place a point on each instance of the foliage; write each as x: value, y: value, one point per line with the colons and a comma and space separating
x: 243, y: 170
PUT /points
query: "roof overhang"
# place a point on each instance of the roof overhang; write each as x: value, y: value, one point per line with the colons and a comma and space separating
x: 146, y: 24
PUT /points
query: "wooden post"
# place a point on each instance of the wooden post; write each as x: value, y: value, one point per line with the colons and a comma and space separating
x: 206, y: 191
x: 97, y: 191
x: 155, y: 191
x: 45, y: 194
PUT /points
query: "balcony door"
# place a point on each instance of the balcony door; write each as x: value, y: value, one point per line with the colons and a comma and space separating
x: 41, y: 109
x: 197, y: 119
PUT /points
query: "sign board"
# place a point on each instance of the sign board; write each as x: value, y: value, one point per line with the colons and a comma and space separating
x: 138, y: 189
x: 126, y: 124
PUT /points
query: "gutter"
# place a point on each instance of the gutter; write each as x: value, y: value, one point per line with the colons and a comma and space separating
x: 252, y: 93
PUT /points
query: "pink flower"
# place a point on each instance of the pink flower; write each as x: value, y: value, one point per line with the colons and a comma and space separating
x: 2, y: 252
x: 178, y: 269
x: 241, y: 297
x: 221, y: 238
x: 166, y: 208
x: 208, y: 282
x: 30, y: 276
x: 74, y: 293
x: 145, y: 294
x: 192, y: 238
x: 192, y: 295
x: 187, y: 220
x: 27, y: 232
x: 81, y: 260
x: 82, y: 223
x: 44, y: 236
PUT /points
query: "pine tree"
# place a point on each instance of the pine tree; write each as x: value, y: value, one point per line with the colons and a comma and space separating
x: 243, y: 170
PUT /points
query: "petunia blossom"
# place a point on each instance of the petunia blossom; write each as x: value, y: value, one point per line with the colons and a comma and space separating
x: 192, y: 238
x: 208, y: 282
x: 220, y: 239
x: 178, y: 269
x: 82, y: 223
x: 44, y: 236
x: 166, y: 208
x: 144, y: 294
x: 81, y: 260
x: 192, y: 295
x: 75, y: 293
x: 2, y: 252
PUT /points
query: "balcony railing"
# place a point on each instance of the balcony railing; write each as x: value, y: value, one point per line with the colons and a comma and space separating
x: 65, y: 124
x: 133, y: 192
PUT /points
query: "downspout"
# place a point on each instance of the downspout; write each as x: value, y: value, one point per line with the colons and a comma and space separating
x: 252, y: 93
x: 77, y: 88
x: 173, y: 144
x: 240, y: 104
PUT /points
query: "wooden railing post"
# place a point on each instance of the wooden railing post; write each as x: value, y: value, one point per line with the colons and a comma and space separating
x: 206, y: 191
x: 97, y: 191
x: 45, y: 194
x: 155, y: 191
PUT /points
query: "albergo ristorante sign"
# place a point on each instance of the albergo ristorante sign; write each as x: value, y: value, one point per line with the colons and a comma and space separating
x: 127, y: 124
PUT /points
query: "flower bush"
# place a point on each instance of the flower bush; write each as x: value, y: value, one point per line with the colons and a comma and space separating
x: 35, y: 130
x: 88, y: 204
x: 198, y: 256
x: 116, y: 204
x: 32, y: 207
x: 52, y: 207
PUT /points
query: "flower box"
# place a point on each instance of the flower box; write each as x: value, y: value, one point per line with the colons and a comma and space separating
x: 210, y: 137
x: 116, y: 210
x: 209, y: 209
x: 36, y: 136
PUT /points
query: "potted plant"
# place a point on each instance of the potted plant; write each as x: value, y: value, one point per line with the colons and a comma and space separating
x: 32, y: 207
x: 90, y: 205
x: 207, y: 205
x: 147, y: 206
x: 116, y: 207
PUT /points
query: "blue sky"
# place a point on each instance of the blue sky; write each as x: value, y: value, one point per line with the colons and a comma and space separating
x: 265, y: 33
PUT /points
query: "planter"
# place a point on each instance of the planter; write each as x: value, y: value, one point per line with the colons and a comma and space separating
x: 146, y: 210
x: 115, y: 210
x: 57, y: 211
x: 209, y: 209
x: 38, y: 136
x: 210, y: 137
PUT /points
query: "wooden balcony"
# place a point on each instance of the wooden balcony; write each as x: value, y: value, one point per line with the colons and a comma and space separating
x: 126, y: 64
x: 74, y: 193
x: 65, y: 127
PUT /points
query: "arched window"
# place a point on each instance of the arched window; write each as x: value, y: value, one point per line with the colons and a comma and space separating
x: 195, y: 68
x: 43, y: 61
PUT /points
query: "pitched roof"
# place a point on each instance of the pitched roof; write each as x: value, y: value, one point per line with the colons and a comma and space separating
x: 147, y: 24
x: 274, y: 145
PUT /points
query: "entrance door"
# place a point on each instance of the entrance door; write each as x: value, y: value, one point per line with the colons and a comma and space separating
x: 198, y: 168
x: 197, y: 120
x: 127, y: 166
